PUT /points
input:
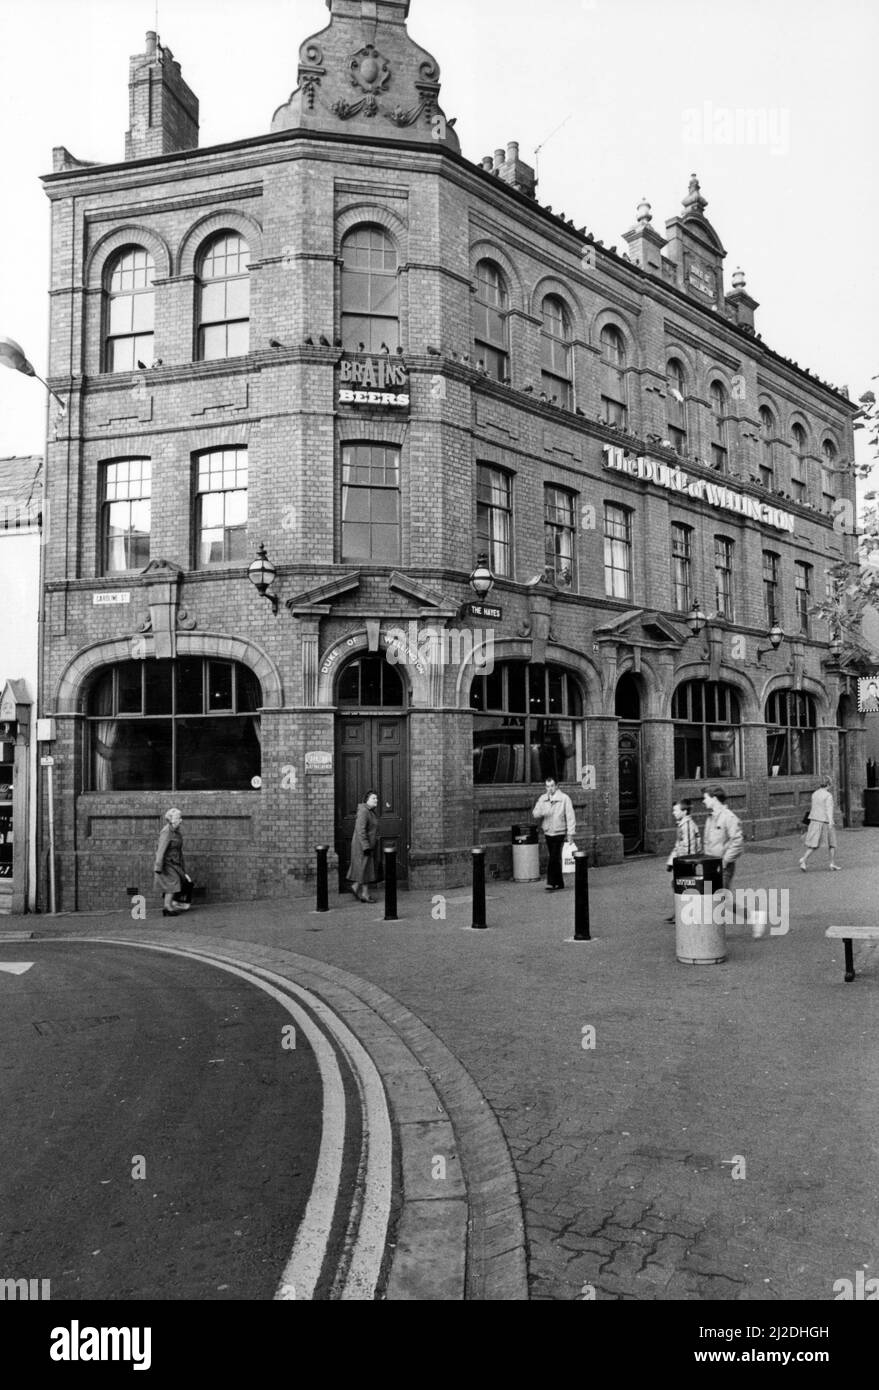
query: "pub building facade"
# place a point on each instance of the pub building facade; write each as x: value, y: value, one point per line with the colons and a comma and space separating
x: 321, y: 379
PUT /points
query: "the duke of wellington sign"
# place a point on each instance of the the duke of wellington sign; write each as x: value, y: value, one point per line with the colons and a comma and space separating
x: 699, y: 489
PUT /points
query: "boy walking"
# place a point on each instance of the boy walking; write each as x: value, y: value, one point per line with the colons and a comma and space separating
x: 722, y: 837
x: 689, y: 840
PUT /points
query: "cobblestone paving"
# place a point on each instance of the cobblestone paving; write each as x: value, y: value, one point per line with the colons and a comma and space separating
x: 720, y: 1140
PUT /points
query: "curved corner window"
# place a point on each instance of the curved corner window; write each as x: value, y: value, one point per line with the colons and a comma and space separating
x: 370, y: 297
x: 527, y: 724
x: 707, y: 731
x: 130, y: 311
x: 185, y: 725
x: 224, y: 298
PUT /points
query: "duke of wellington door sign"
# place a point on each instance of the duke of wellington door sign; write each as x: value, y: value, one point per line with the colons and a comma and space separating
x: 375, y: 381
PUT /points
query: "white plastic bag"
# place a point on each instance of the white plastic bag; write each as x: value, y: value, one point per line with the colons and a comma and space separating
x: 568, y: 852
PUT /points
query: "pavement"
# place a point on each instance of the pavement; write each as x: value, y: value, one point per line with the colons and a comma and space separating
x: 676, y: 1132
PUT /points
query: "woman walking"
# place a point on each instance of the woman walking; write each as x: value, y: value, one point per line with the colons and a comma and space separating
x: 363, y: 868
x: 821, y: 829
x: 171, y: 876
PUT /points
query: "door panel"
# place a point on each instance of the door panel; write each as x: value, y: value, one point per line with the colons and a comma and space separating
x: 371, y: 752
x: 631, y: 827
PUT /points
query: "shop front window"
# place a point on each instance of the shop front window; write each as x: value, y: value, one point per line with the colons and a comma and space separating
x: 707, y: 731
x: 184, y: 725
x: 527, y: 724
x: 791, y: 721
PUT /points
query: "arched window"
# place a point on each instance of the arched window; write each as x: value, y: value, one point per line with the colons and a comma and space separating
x: 791, y: 721
x: 828, y: 478
x: 614, y: 410
x: 767, y: 456
x: 130, y: 311
x: 527, y: 725
x: 491, y: 342
x: 719, y: 431
x: 224, y: 298
x: 370, y: 682
x: 707, y: 732
x: 370, y: 319
x: 798, y: 467
x: 556, y: 352
x: 676, y: 404
x: 185, y: 725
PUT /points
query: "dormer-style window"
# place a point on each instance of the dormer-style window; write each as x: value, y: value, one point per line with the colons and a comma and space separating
x: 224, y: 308
x: 130, y: 311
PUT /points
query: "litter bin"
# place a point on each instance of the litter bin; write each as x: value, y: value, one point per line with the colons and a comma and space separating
x: 699, y: 940
x: 871, y: 806
x: 526, y: 855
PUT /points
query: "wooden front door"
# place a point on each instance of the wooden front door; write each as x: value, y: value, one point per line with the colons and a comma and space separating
x: 631, y: 823
x: 372, y: 755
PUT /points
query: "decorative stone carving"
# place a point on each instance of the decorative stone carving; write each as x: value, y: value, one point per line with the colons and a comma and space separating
x: 369, y: 70
x: 311, y: 72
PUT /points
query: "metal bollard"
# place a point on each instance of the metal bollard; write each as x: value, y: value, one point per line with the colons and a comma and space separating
x: 581, y: 897
x: 478, y: 923
x: 391, y: 884
x: 323, y: 893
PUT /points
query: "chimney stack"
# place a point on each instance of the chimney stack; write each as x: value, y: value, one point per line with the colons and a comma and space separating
x: 162, y: 110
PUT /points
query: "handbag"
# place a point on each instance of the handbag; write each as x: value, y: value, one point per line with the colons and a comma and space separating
x: 806, y: 818
x: 568, y: 852
x: 184, y: 894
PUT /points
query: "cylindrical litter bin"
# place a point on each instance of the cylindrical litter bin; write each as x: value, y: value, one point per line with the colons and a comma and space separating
x: 700, y: 939
x: 526, y: 855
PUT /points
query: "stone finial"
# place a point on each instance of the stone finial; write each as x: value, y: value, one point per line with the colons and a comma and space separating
x: 644, y: 213
x: 738, y: 280
x: 694, y: 202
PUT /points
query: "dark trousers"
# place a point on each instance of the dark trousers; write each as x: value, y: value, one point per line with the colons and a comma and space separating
x: 554, y: 876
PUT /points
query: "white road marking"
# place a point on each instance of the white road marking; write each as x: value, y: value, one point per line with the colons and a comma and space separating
x: 303, y: 1268
x: 13, y: 967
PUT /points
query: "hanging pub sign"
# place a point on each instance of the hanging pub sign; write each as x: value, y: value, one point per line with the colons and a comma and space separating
x: 376, y: 381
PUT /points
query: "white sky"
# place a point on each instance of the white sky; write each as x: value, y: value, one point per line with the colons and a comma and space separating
x: 797, y: 212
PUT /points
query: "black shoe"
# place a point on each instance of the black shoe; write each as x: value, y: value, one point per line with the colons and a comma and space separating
x: 167, y: 913
x: 670, y: 919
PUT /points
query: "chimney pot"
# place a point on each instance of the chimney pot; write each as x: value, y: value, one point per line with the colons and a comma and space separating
x: 513, y: 151
x: 498, y: 158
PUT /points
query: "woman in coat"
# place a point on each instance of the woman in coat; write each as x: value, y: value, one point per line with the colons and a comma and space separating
x: 821, y: 829
x: 170, y: 873
x: 363, y: 869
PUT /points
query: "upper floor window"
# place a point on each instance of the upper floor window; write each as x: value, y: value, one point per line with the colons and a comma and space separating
x: 371, y: 503
x: 221, y: 507
x: 791, y: 721
x: 184, y: 725
x: 130, y: 311
x: 682, y: 566
x: 803, y: 591
x: 490, y: 323
x: 719, y: 428
x: 494, y: 518
x: 125, y: 515
x: 527, y: 724
x: 771, y: 586
x: 558, y: 528
x: 724, y: 551
x: 614, y: 409
x: 370, y: 295
x: 828, y: 479
x: 707, y: 730
x: 767, y: 460
x: 617, y: 551
x: 676, y: 404
x: 556, y: 353
x: 799, y: 478
x: 224, y: 298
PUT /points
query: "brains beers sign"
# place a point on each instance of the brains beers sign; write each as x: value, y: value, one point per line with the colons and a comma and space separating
x: 376, y: 381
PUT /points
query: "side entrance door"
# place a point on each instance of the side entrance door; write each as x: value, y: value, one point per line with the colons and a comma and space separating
x: 631, y: 823
x: 372, y: 754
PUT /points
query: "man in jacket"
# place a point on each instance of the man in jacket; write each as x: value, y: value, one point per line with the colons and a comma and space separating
x: 555, y: 809
x: 722, y: 837
x: 689, y: 840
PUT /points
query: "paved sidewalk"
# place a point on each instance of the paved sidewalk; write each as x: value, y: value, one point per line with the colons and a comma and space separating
x: 719, y: 1140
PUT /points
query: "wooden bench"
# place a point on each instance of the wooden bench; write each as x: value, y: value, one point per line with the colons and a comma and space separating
x: 847, y: 935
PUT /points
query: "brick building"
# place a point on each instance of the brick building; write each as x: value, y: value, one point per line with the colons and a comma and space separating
x: 347, y: 343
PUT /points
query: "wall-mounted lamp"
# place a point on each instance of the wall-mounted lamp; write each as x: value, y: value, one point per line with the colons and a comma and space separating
x: 696, y: 619
x: 262, y: 575
x: 776, y: 637
x: 482, y: 579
